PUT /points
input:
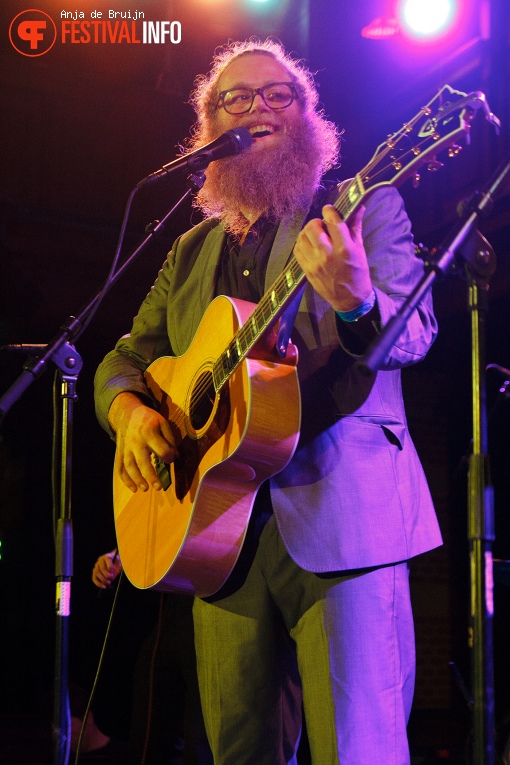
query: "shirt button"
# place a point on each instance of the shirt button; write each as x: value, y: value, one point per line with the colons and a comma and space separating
x: 246, y: 272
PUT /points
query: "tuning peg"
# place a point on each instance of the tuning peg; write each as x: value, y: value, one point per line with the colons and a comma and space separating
x: 434, y: 165
x: 416, y: 180
x: 454, y: 149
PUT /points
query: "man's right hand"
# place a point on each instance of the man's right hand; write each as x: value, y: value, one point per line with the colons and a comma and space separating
x: 140, y: 431
x: 106, y: 569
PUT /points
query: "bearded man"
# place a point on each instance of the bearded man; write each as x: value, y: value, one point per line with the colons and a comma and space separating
x: 316, y: 614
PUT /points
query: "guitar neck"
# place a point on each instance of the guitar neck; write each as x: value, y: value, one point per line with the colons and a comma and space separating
x: 278, y: 297
x: 267, y: 312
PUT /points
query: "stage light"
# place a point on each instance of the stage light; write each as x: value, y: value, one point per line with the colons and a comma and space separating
x: 416, y: 20
x: 427, y: 19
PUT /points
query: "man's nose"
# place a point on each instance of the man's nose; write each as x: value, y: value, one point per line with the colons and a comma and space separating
x: 259, y: 104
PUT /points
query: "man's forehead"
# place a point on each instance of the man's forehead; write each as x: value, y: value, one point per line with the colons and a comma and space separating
x: 255, y: 68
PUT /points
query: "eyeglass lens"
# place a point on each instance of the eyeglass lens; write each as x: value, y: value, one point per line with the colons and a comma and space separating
x: 277, y: 95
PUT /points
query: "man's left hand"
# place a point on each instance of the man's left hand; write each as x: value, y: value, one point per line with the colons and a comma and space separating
x: 332, y: 255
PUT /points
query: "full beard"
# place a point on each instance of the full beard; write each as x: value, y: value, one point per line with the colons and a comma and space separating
x: 276, y: 180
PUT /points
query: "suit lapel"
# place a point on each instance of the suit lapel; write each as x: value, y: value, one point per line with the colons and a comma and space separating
x: 197, y: 292
x: 281, y: 251
x: 208, y: 263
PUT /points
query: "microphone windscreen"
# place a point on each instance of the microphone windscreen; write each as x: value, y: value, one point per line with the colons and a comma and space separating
x: 243, y: 137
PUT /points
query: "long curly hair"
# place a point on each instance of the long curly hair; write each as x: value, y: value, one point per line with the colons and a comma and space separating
x: 204, y: 97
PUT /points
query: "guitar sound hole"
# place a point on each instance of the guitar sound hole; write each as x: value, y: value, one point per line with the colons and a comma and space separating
x: 202, y: 401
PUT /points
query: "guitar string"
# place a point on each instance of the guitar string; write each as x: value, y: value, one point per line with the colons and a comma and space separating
x: 247, y: 335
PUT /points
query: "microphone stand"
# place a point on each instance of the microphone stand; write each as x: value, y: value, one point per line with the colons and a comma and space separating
x: 62, y: 354
x: 480, y: 263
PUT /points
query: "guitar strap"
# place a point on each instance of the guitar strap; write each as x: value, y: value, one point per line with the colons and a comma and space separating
x: 288, y: 317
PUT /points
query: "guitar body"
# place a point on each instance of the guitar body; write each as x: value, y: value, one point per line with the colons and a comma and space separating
x: 187, y: 537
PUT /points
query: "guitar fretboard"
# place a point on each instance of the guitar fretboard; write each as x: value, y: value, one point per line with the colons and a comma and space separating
x: 267, y: 311
x: 274, y: 302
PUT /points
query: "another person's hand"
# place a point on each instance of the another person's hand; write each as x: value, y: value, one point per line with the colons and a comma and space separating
x: 140, y: 432
x: 106, y: 569
x: 332, y: 255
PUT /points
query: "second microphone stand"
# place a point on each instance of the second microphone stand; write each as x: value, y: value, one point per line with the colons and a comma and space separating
x: 466, y: 241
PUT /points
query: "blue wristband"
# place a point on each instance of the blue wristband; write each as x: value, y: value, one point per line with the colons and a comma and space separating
x: 360, y: 311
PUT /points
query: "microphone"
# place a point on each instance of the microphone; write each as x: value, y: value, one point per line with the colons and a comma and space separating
x: 232, y: 142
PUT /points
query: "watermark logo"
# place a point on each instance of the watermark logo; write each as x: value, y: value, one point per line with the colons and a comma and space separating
x: 32, y: 33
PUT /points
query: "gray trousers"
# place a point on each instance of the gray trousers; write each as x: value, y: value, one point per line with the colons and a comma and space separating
x: 341, y: 645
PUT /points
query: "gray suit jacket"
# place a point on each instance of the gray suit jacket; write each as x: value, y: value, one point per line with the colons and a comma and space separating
x: 354, y: 494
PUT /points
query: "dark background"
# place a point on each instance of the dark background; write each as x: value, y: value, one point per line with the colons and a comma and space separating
x: 81, y: 126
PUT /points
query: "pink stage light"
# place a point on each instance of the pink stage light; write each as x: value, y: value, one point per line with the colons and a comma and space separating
x: 427, y: 19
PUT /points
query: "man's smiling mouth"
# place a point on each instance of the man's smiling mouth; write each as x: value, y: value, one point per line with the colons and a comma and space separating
x: 261, y: 131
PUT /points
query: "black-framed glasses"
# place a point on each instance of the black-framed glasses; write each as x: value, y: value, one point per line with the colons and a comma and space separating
x: 276, y: 95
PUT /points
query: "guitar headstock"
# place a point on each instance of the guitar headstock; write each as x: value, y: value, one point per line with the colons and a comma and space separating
x: 444, y: 123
